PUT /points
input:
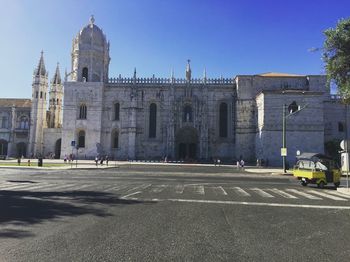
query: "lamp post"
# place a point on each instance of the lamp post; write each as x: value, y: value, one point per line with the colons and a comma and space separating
x: 293, y: 109
x: 284, y: 150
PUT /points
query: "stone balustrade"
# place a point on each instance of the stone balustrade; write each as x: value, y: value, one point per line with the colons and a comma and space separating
x: 155, y: 80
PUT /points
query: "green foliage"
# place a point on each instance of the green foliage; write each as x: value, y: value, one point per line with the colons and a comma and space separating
x: 336, y: 56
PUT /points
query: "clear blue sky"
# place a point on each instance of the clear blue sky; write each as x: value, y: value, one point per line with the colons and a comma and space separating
x: 228, y: 37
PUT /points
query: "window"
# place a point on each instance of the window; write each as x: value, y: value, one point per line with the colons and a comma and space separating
x: 340, y: 127
x: 116, y: 111
x: 187, y: 114
x: 115, y: 139
x: 223, y: 123
x: 82, y: 111
x: 23, y: 122
x: 293, y: 107
x: 4, y: 122
x: 81, y: 139
x: 41, y: 94
x: 152, y: 120
x: 36, y: 94
x: 85, y: 74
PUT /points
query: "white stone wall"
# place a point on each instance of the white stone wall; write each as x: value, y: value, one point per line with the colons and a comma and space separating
x: 75, y: 94
x: 304, y: 130
x: 51, y: 135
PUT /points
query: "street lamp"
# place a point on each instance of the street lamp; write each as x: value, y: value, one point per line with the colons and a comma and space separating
x: 293, y: 108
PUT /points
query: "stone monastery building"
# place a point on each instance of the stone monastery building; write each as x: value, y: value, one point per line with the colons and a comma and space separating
x: 191, y: 119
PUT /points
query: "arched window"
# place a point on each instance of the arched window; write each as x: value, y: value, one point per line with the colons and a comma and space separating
x: 85, y: 74
x: 223, y: 120
x: 116, y: 111
x: 81, y: 138
x: 82, y: 111
x: 340, y: 127
x: 115, y: 139
x: 153, y: 120
x: 187, y: 114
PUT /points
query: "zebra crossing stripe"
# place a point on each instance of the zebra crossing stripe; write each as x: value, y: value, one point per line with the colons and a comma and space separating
x: 158, y: 188
x: 143, y: 186
x: 327, y: 195
x: 82, y: 187
x: 199, y: 190
x: 116, y: 188
x: 220, y: 190
x: 300, y: 193
x: 33, y: 187
x: 282, y: 193
x: 261, y: 192
x: 179, y: 189
x: 64, y: 186
x: 240, y: 191
x: 338, y: 194
x: 16, y: 186
x: 4, y: 185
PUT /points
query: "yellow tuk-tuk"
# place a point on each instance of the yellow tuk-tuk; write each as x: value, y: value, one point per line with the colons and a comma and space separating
x: 313, y: 168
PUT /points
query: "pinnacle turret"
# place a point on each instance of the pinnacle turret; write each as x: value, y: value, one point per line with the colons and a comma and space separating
x: 41, y: 71
x: 188, y: 70
x: 57, y: 77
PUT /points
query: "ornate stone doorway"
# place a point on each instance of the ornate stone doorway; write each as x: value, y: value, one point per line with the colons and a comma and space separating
x: 58, y: 149
x: 187, y: 144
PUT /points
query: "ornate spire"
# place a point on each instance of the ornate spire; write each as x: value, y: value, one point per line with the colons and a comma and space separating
x: 172, y: 76
x: 205, y: 75
x: 92, y: 20
x: 135, y: 72
x: 57, y: 77
x: 41, y: 71
x: 188, y: 70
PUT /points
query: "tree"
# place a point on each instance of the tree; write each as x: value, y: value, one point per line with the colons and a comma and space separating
x: 336, y: 55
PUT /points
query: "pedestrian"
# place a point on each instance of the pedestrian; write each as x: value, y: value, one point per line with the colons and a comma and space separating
x: 219, y: 161
x: 65, y: 159
x: 242, y: 164
x: 96, y: 160
x: 101, y: 161
x: 238, y: 164
x: 19, y: 161
x: 107, y: 160
x: 28, y: 162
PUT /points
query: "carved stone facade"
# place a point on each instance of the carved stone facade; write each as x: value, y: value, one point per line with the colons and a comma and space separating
x: 188, y: 118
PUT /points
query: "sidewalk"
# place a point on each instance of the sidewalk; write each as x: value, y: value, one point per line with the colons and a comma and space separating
x: 90, y: 164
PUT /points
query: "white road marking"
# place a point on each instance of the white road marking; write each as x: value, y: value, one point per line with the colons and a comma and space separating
x: 338, y: 194
x: 131, y: 194
x: 219, y: 190
x: 198, y: 189
x: 143, y: 186
x: 240, y: 191
x: 327, y: 195
x: 115, y: 188
x: 35, y: 187
x: 64, y: 186
x: 261, y: 192
x: 158, y: 188
x: 179, y: 189
x: 82, y: 187
x: 282, y: 193
x: 17, y: 186
x: 249, y: 203
x: 303, y: 194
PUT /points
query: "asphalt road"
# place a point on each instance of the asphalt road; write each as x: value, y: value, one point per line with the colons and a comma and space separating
x: 168, y: 213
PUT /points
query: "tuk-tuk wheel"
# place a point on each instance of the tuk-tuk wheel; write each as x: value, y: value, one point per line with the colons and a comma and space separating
x: 321, y: 184
x: 337, y: 184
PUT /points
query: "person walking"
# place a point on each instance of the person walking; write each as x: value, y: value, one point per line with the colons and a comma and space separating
x: 242, y: 164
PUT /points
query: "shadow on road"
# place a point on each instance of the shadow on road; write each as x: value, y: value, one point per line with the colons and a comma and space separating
x: 24, y: 208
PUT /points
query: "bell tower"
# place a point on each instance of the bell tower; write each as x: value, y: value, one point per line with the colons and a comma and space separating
x: 55, y: 100
x: 38, y: 111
